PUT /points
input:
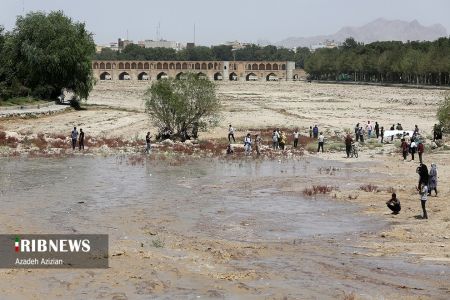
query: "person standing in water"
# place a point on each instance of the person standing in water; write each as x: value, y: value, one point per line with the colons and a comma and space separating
x: 81, y: 140
x: 394, y: 204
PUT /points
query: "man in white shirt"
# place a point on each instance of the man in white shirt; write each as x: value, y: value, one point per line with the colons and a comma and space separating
x: 296, y: 134
x: 231, y: 134
x: 74, y: 137
x: 321, y: 138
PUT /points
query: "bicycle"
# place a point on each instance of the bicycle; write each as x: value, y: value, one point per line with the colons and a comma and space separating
x: 354, y: 151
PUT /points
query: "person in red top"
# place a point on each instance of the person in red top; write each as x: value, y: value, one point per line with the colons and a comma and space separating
x: 420, y: 150
x: 404, y: 147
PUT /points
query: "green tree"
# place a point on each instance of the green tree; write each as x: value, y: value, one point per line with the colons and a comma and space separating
x: 180, y: 104
x: 443, y: 114
x: 48, y: 53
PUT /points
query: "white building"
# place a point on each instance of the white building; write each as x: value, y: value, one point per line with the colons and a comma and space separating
x: 164, y: 44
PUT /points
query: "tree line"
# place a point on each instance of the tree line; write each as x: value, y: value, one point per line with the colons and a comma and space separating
x: 425, y: 63
x: 198, y: 53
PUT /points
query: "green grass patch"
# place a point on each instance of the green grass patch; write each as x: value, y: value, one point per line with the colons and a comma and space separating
x: 23, y: 101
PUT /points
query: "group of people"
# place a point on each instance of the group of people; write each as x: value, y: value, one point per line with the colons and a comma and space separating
x: 370, y: 129
x: 279, y: 139
x: 75, y: 136
x: 412, y: 145
x: 427, y: 183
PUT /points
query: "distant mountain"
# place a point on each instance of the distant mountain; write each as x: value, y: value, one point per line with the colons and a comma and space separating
x: 378, y: 30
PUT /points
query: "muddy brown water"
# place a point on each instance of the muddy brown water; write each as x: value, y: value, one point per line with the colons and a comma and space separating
x: 234, y: 201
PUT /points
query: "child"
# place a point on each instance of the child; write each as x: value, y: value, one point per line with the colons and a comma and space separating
x: 423, y: 200
x: 394, y: 204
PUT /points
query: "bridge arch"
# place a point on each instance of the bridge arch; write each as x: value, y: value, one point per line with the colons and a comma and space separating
x: 272, y: 77
x: 204, y: 67
x: 249, y: 67
x: 159, y: 66
x: 171, y: 66
x: 146, y: 66
x: 105, y: 76
x: 162, y: 75
x: 124, y: 76
x: 102, y: 65
x: 295, y: 77
x: 254, y: 67
x: 201, y: 75
x: 275, y: 67
x: 95, y: 65
x: 127, y: 65
x: 262, y: 67
x: 210, y: 66
x: 283, y: 67
x: 218, y: 76
x: 133, y: 65
x: 121, y: 66
x: 268, y: 67
x: 251, y: 77
x: 181, y: 76
x: 178, y: 66
x: 233, y: 77
x: 108, y: 66
x: 197, y: 66
x: 165, y: 66
x: 143, y: 76
x: 184, y: 66
x: 140, y: 66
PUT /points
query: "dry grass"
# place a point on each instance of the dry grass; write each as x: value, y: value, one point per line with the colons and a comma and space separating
x: 40, y: 141
x: 10, y: 141
x: 318, y: 189
x: 369, y: 188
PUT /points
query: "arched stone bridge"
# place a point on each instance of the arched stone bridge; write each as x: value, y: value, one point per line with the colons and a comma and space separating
x: 214, y: 70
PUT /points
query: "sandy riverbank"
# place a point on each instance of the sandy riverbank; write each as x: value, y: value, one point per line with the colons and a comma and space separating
x: 352, y: 262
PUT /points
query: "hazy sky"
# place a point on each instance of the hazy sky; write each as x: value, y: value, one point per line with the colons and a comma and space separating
x: 220, y: 21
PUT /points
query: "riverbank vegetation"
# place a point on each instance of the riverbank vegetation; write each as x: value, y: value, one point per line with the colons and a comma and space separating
x: 45, y: 54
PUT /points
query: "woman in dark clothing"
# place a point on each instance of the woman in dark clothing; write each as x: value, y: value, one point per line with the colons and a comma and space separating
x: 422, y: 170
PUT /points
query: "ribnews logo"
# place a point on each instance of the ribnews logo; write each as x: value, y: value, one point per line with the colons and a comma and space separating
x: 54, y: 251
x: 43, y: 245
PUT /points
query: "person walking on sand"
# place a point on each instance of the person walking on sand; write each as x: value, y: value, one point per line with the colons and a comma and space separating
x: 382, y: 134
x: 320, y: 139
x: 404, y: 147
x: 74, y: 137
x: 394, y: 204
x: 348, y: 144
x: 296, y: 138
x: 420, y: 150
x: 81, y: 140
x: 377, y: 129
x: 147, y: 141
x: 315, y: 132
x: 310, y: 132
x: 248, y: 144
x: 423, y: 200
x: 258, y: 142
x: 432, y: 179
x: 231, y: 134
